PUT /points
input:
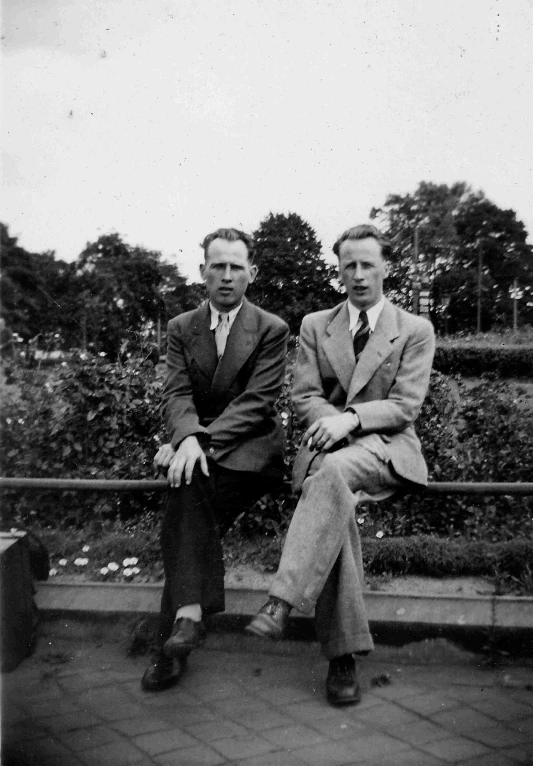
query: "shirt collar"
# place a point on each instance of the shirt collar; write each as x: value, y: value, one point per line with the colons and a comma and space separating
x: 372, y: 314
x: 215, y: 314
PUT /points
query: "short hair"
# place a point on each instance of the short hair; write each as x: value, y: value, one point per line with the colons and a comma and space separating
x: 364, y: 231
x: 230, y: 235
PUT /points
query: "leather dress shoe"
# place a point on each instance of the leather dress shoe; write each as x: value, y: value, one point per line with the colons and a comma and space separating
x: 186, y: 635
x: 271, y: 620
x: 342, y: 687
x: 160, y: 675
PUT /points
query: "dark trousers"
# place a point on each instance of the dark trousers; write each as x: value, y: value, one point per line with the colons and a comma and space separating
x: 196, y: 518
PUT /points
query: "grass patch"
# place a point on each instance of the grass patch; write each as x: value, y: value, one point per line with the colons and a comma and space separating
x: 88, y: 554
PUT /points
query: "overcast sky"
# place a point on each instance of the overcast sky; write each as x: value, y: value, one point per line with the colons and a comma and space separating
x: 164, y: 119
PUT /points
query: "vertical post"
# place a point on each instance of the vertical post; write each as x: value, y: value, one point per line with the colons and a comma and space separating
x: 479, y: 286
x: 515, y: 305
x: 159, y: 334
x: 416, y: 282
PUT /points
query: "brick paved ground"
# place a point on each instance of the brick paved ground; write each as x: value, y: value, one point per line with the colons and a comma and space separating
x: 79, y: 702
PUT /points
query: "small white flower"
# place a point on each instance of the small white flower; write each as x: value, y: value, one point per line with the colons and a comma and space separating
x: 380, y: 534
x: 135, y: 570
x: 134, y: 560
x: 14, y: 530
x: 80, y: 562
x: 20, y: 420
x: 126, y: 562
x: 62, y: 562
x: 52, y: 572
x: 63, y: 364
x: 128, y: 572
x: 102, y: 353
x: 8, y: 421
x: 112, y: 566
x: 361, y: 520
x: 85, y: 548
x: 104, y: 570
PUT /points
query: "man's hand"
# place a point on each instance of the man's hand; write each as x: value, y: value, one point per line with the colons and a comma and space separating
x: 182, y: 464
x: 162, y: 459
x: 328, y: 430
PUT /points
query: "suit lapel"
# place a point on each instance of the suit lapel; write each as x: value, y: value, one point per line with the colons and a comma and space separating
x: 202, y: 346
x: 338, y: 347
x: 240, y: 344
x: 376, y: 350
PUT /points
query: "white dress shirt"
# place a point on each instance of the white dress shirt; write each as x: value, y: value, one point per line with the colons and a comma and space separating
x: 372, y: 314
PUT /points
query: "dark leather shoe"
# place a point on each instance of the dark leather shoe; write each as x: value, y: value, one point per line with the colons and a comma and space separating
x: 271, y: 620
x: 160, y: 675
x: 186, y: 635
x: 342, y: 687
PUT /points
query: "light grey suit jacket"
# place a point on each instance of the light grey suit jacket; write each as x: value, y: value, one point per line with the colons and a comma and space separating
x: 386, y: 389
x: 229, y: 405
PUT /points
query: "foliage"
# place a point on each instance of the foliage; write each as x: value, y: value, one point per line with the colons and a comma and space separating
x: 455, y: 227
x: 293, y: 279
x: 466, y: 359
x: 90, y: 418
x: 111, y: 293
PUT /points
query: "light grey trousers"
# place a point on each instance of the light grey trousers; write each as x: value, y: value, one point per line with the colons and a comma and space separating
x: 321, y: 565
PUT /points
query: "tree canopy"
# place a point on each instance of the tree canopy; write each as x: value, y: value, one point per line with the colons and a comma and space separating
x: 455, y: 229
x: 293, y: 279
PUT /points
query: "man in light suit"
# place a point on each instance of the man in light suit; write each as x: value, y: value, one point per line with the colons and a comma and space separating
x: 360, y: 379
x: 226, y: 365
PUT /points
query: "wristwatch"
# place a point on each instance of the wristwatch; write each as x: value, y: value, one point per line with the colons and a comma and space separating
x: 357, y: 422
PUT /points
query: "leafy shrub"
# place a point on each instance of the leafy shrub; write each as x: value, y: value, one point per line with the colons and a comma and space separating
x: 90, y: 418
x: 475, y: 360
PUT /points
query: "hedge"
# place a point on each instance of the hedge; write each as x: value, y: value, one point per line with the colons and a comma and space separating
x: 474, y: 361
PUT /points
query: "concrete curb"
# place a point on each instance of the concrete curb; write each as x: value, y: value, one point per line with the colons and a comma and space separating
x: 492, y: 612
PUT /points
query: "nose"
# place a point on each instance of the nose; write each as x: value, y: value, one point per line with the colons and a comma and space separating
x: 358, y: 273
x: 227, y: 273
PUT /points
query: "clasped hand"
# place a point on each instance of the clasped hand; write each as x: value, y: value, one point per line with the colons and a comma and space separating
x: 328, y: 430
x: 181, y: 463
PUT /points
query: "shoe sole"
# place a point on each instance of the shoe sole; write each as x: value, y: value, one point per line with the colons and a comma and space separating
x: 262, y: 627
x: 180, y: 651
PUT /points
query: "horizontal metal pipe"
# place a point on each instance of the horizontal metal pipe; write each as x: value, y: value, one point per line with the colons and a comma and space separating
x: 159, y: 485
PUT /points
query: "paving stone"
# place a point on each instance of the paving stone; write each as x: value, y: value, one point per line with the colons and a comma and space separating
x: 502, y: 710
x: 80, y: 681
x: 209, y: 731
x: 71, y: 722
x: 490, y: 759
x: 23, y: 731
x: 83, y: 739
x: 182, y: 717
x: 120, y: 712
x: 418, y: 732
x: 133, y: 727
x: 235, y: 748
x: 279, y: 758
x: 191, y: 755
x: 341, y: 728
x: 285, y: 695
x: 498, y: 736
x: 521, y: 754
x: 406, y: 758
x: 312, y: 710
x: 165, y: 741
x: 386, y: 714
x: 375, y: 747
x: 454, y: 749
x: 462, y: 720
x: 107, y: 696
x: 525, y: 726
x: 429, y: 704
x: 326, y: 754
x: 37, y: 751
x: 265, y: 719
x: 293, y: 737
x: 398, y: 692
x: 118, y: 753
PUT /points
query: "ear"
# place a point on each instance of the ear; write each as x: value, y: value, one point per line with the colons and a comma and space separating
x: 202, y: 271
x: 253, y: 272
x: 386, y: 273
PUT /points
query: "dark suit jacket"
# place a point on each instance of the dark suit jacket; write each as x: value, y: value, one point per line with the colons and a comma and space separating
x: 229, y: 404
x: 386, y: 388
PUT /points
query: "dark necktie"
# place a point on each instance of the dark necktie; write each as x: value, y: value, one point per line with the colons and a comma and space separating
x: 361, y: 336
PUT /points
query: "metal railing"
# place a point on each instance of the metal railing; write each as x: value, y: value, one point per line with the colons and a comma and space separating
x: 160, y: 485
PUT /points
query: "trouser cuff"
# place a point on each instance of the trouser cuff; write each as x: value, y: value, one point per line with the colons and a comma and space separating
x: 360, y: 643
x: 292, y: 597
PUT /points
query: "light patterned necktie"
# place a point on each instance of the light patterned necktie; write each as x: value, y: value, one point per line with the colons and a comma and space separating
x: 361, y: 336
x: 221, y: 333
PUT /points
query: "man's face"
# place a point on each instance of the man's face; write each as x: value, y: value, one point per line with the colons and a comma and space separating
x: 362, y: 270
x: 227, y: 272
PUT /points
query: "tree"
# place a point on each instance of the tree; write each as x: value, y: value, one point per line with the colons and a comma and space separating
x: 447, y: 232
x: 293, y: 279
x: 123, y: 290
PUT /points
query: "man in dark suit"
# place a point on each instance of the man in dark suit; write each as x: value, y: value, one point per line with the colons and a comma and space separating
x: 226, y: 365
x: 360, y: 379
